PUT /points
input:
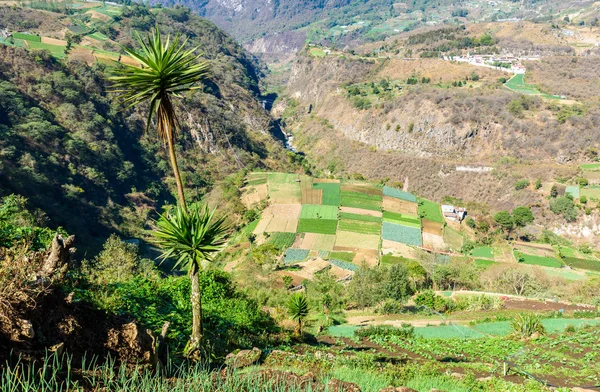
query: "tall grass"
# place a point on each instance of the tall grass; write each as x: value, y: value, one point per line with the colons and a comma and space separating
x: 55, y: 374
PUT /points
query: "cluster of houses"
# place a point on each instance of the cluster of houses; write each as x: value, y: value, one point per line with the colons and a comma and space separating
x: 454, y: 214
x: 512, y: 64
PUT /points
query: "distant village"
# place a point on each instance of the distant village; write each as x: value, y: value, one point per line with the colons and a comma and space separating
x: 500, y: 62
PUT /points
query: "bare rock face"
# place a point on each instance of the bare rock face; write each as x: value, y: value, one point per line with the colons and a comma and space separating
x: 57, y: 261
x: 243, y: 358
x: 336, y: 385
x: 130, y: 341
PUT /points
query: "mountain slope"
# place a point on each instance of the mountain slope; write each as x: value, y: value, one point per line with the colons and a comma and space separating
x: 68, y: 146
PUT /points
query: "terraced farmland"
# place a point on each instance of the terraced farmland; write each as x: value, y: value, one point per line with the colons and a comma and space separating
x: 348, y: 221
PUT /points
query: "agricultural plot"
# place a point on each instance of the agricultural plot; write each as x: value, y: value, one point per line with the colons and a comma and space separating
x: 430, y: 211
x: 399, y: 206
x: 366, y: 256
x: 312, y: 196
x: 590, y: 166
x: 293, y: 255
x: 344, y: 256
x: 359, y: 226
x: 406, y: 220
x: 573, y: 191
x: 400, y: 233
x: 591, y: 175
x: 312, y: 211
x: 279, y: 218
x: 27, y: 37
x: 344, y: 265
x: 592, y: 192
x: 282, y: 240
x: 392, y: 260
x: 320, y: 226
x: 484, y: 263
x: 453, y: 238
x: 517, y: 84
x: 431, y: 227
x: 582, y: 263
x: 562, y: 273
x: 253, y: 194
x: 360, y: 200
x: 330, y: 193
x: 484, y: 252
x: 55, y: 50
x: 323, y: 242
x: 358, y: 217
x: 348, y: 239
x: 537, y: 260
x: 369, y: 189
x: 257, y: 178
x: 398, y: 194
x: 284, y: 192
x: 361, y: 211
x: 434, y: 242
x: 397, y: 249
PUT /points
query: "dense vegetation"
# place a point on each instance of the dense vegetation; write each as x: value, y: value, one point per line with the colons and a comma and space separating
x: 89, y: 164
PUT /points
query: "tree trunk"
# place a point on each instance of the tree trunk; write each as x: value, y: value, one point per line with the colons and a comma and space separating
x: 175, y: 167
x: 196, y: 299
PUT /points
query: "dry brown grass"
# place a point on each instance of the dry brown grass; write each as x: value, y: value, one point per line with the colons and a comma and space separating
x: 53, y: 41
x: 368, y: 256
x: 357, y: 241
x: 436, y: 69
x: 360, y: 211
x: 312, y: 196
x: 434, y: 242
x: 399, y: 206
x: 432, y: 227
x: 397, y: 249
x: 97, y: 15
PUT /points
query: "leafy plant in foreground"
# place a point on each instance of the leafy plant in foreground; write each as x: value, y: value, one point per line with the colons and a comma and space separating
x: 525, y: 325
x: 298, y: 309
x: 191, y: 237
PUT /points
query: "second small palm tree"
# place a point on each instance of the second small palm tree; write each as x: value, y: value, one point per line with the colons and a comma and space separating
x: 189, y: 238
x: 298, y: 309
x: 167, y: 70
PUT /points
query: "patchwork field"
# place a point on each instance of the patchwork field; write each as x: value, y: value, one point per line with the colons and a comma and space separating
x: 538, y: 260
x: 346, y: 223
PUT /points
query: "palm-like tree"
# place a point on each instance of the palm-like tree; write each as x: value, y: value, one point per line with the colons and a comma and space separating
x: 190, y: 237
x: 167, y: 70
x: 298, y: 309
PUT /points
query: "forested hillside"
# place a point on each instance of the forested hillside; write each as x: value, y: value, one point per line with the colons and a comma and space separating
x: 76, y: 153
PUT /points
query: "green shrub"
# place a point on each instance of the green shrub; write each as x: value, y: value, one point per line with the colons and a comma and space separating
x: 406, y: 332
x: 479, y: 302
x: 230, y: 319
x: 525, y: 325
x: 430, y: 300
x: 521, y: 184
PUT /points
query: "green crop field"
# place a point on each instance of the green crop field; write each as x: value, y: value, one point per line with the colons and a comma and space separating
x: 78, y: 29
x: 317, y: 211
x: 484, y: 263
x: 320, y: 226
x: 19, y: 43
x: 27, y: 37
x: 282, y: 240
x: 361, y: 200
x: 98, y: 36
x: 590, y: 166
x: 402, y: 219
x: 331, y: 193
x: 517, y: 84
x: 317, y: 52
x: 55, y: 50
x: 430, y: 210
x: 538, y: 260
x: 582, y: 263
x: 358, y: 217
x: 344, y: 256
x: 561, y: 273
x: 400, y: 233
x: 391, y: 260
x: 482, y: 252
x: 357, y: 226
x: 453, y: 238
